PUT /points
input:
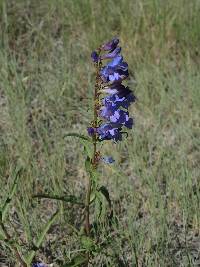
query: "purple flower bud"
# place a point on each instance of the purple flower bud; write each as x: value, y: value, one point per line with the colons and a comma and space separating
x: 129, y: 123
x: 111, y: 45
x: 94, y: 56
x: 91, y: 131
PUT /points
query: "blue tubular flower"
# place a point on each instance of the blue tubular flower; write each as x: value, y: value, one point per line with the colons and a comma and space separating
x: 117, y: 116
x: 113, y: 75
x: 109, y: 131
x: 115, y: 71
x: 117, y: 101
x: 110, y: 45
x: 112, y: 54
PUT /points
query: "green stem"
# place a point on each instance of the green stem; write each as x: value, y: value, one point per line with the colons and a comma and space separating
x: 94, y: 159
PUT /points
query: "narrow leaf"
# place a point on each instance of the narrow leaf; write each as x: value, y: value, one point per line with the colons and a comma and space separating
x: 71, y: 199
x: 105, y: 193
x: 41, y: 237
x: 99, y: 203
x: 83, y: 137
x: 24, y: 219
x: 85, y: 141
x: 87, y: 148
x: 46, y: 229
x: 5, y: 207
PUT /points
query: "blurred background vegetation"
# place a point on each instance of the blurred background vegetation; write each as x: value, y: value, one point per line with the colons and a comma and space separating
x: 46, y: 88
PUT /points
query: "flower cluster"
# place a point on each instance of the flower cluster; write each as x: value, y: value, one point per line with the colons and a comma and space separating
x: 114, y: 106
x: 113, y: 109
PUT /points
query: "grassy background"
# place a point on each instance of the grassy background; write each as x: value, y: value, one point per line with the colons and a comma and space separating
x: 46, y: 86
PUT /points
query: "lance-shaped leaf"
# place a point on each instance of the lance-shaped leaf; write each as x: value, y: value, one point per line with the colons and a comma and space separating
x: 23, y: 216
x: 85, y: 141
x: 105, y: 193
x: 70, y: 199
x: 41, y: 237
x: 99, y: 203
x: 81, y: 136
x: 88, y: 149
x: 78, y: 261
x: 5, y: 207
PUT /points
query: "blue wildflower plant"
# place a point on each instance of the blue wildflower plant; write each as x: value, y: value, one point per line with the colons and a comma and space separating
x: 113, y: 98
x: 111, y: 120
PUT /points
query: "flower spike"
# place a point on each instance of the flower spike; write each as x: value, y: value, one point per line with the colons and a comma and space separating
x: 113, y: 115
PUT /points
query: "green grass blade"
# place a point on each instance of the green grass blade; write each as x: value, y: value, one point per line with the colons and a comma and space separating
x: 46, y: 229
x: 5, y: 207
x: 24, y: 219
x: 41, y: 237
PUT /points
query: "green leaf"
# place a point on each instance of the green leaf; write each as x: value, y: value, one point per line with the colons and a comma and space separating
x: 83, y: 137
x: 46, y: 229
x: 78, y: 260
x: 99, y: 203
x: 88, y: 149
x: 104, y: 191
x: 85, y: 141
x: 70, y: 199
x: 92, y: 197
x: 5, y: 207
x: 41, y: 237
